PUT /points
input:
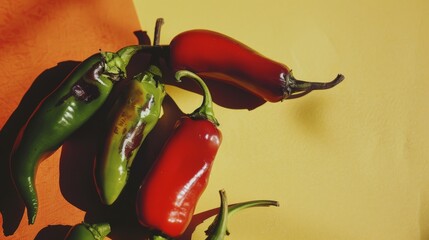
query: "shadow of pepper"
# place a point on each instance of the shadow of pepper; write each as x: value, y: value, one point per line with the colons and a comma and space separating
x: 11, y: 206
x: 142, y: 37
x: 196, y: 220
x: 53, y: 232
x: 76, y: 161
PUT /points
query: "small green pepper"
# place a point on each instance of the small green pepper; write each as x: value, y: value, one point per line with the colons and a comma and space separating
x: 85, y: 231
x: 132, y: 117
x: 60, y: 114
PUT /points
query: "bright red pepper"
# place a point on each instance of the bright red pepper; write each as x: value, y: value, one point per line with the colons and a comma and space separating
x: 168, y: 195
x: 214, y: 56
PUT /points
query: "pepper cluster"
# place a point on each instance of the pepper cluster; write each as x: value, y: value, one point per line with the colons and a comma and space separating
x: 168, y: 194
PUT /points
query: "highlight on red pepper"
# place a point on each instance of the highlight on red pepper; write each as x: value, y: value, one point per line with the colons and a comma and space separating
x: 218, y: 229
x: 86, y: 231
x: 168, y: 195
x: 60, y: 114
x: 132, y: 117
x: 215, y: 56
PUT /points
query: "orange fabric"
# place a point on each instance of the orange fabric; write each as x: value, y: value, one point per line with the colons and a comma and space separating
x: 39, y: 42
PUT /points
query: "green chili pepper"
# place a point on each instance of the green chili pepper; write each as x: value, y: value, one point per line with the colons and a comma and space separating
x: 60, y: 114
x: 85, y: 231
x: 133, y: 116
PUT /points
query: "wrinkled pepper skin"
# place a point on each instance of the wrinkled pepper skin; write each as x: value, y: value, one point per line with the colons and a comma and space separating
x: 60, y: 114
x: 168, y: 195
x: 212, y: 55
x: 132, y: 117
x: 85, y: 231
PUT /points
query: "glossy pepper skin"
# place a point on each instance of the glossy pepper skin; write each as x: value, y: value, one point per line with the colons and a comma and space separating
x: 168, y: 195
x: 132, y: 117
x: 60, y: 114
x: 85, y: 231
x: 212, y: 55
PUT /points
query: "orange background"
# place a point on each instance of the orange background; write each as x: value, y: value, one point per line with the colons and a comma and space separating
x: 40, y: 42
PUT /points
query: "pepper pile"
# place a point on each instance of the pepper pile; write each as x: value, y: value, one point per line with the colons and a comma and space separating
x: 170, y: 191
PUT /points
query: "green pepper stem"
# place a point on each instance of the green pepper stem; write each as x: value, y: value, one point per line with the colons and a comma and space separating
x: 126, y: 53
x: 102, y: 228
x: 233, y: 208
x: 99, y: 230
x: 158, y: 237
x: 295, y: 88
x: 116, y: 63
x: 218, y: 229
x: 205, y: 111
x: 213, y: 229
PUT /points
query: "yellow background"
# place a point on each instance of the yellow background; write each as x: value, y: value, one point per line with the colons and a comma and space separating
x: 348, y: 163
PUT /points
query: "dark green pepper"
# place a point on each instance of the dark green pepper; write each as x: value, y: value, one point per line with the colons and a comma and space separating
x: 132, y: 117
x: 85, y: 231
x: 60, y: 114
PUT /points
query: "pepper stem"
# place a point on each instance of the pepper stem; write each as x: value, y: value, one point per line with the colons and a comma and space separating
x: 158, y: 237
x: 218, y: 229
x: 297, y: 88
x: 213, y: 231
x: 157, y: 34
x: 126, y: 53
x: 99, y: 230
x: 102, y: 228
x: 116, y: 63
x: 233, y: 208
x: 205, y: 111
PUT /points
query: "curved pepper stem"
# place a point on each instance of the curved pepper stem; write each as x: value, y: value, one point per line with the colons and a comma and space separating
x: 256, y: 203
x: 295, y: 88
x: 218, y: 229
x: 205, y: 111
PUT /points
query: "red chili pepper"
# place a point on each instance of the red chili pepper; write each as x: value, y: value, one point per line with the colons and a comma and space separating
x: 168, y: 195
x: 215, y: 56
